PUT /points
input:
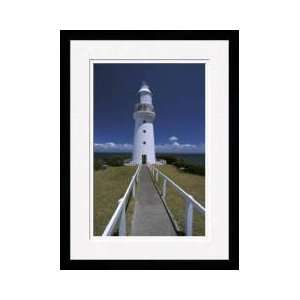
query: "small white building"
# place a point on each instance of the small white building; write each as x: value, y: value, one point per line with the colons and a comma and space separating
x: 144, y: 115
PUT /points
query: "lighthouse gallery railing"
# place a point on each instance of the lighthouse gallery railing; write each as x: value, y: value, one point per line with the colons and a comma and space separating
x: 119, y: 215
x: 144, y: 107
x: 190, y: 203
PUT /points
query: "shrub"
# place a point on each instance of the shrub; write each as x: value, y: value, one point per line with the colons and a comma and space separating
x: 181, y: 164
x: 115, y: 161
x: 194, y: 169
x: 99, y: 164
x: 171, y: 160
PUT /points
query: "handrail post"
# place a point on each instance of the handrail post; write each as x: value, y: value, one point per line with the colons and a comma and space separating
x: 164, y: 189
x: 188, y: 218
x: 133, y: 190
x: 122, y: 224
x: 156, y: 175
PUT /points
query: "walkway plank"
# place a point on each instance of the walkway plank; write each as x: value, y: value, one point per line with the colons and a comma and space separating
x: 150, y: 217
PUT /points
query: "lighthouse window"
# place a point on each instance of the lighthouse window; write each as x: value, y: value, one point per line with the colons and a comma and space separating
x: 144, y: 131
x: 144, y: 143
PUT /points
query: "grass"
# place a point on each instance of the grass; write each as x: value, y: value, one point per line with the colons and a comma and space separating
x: 111, y: 184
x: 192, y: 184
x: 109, y: 187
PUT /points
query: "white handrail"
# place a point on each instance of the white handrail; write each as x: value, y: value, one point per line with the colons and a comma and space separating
x: 191, y: 203
x: 114, y: 219
x: 120, y: 212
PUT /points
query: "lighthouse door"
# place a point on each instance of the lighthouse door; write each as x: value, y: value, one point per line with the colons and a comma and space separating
x: 144, y: 159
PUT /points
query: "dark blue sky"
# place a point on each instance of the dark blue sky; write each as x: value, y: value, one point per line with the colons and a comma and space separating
x: 178, y: 99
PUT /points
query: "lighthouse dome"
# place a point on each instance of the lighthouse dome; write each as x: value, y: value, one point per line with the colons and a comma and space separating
x: 144, y: 89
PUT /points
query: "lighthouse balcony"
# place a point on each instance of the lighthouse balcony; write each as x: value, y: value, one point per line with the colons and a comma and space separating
x: 146, y: 116
x: 144, y: 107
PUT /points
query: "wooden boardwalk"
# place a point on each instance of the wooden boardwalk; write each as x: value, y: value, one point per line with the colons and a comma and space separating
x: 150, y: 217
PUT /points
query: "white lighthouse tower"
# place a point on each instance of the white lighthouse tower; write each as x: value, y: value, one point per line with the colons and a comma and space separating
x: 144, y: 146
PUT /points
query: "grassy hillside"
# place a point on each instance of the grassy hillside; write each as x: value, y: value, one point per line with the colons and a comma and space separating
x: 192, y: 184
x: 109, y: 186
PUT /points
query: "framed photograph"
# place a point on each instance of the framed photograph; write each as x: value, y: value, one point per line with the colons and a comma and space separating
x: 149, y: 150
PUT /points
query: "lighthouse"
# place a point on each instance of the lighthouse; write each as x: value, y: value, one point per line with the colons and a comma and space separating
x: 144, y: 115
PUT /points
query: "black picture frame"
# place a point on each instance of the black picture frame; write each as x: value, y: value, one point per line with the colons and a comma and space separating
x: 65, y: 261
